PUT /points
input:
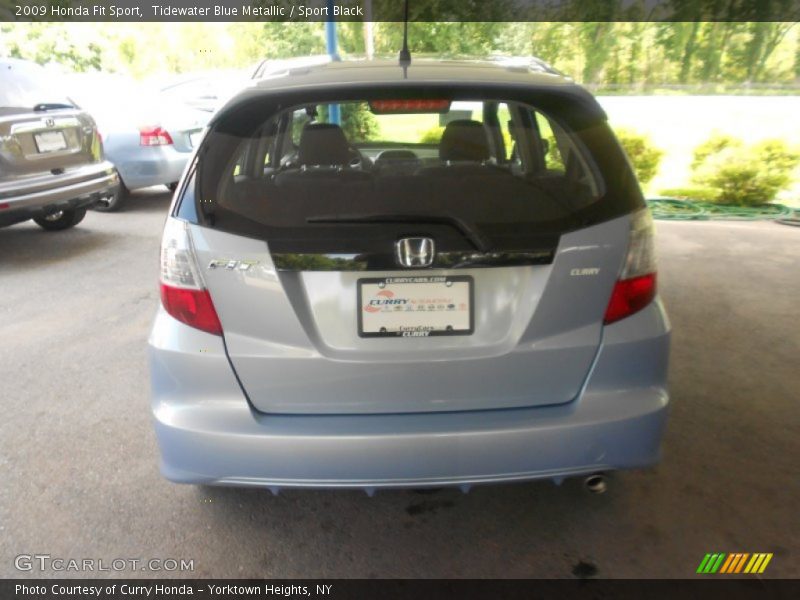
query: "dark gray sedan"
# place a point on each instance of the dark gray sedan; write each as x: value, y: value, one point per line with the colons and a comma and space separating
x: 51, y: 156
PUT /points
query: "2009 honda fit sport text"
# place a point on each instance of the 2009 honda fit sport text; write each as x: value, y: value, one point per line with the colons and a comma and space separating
x: 377, y: 278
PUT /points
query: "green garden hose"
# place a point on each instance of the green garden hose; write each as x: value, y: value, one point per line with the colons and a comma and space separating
x: 690, y: 210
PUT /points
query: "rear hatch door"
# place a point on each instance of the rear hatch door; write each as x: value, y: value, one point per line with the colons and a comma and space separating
x: 41, y: 131
x: 293, y: 337
x: 306, y: 270
x: 33, y: 143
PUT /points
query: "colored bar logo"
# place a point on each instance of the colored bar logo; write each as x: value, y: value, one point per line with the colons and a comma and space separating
x: 736, y: 562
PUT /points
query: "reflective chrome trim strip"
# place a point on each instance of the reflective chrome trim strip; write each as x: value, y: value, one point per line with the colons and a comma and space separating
x: 294, y: 261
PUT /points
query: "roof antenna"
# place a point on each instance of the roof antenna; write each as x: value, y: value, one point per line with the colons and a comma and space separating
x: 405, y: 55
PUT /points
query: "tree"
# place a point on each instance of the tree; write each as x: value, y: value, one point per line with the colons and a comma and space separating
x: 277, y: 40
x: 613, y: 49
x: 713, y: 48
x: 764, y: 39
x: 358, y: 123
x: 60, y: 43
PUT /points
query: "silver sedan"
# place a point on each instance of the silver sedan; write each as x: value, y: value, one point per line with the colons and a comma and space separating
x: 147, y: 137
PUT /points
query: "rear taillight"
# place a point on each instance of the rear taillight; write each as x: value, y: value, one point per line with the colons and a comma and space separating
x: 636, y: 286
x: 154, y: 136
x: 193, y: 307
x: 183, y: 294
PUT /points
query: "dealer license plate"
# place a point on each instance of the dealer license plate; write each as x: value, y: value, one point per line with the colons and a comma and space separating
x: 415, y: 306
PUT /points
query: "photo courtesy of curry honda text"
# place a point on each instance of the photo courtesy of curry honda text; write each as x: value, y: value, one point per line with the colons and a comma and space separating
x: 378, y: 277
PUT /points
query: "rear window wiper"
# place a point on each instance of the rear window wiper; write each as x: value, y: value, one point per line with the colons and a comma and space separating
x: 471, y: 233
x: 43, y: 106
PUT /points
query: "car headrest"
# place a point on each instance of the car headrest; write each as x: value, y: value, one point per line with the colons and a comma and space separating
x: 464, y: 139
x: 323, y: 144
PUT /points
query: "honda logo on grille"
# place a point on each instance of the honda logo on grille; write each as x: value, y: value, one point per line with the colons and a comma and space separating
x: 415, y: 252
x: 50, y: 122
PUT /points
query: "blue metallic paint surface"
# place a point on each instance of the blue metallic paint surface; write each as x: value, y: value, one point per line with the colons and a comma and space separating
x: 604, y: 407
x: 293, y: 341
x: 208, y: 433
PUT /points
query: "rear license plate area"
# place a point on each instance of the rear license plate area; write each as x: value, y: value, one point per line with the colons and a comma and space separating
x: 49, y: 141
x: 415, y: 306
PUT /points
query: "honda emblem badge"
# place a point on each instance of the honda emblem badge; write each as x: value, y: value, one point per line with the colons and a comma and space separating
x: 415, y: 252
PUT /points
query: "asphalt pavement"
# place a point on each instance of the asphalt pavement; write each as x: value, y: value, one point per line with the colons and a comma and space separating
x: 80, y: 464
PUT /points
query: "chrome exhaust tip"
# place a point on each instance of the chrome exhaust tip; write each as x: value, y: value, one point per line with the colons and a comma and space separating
x: 596, y: 483
x: 105, y: 201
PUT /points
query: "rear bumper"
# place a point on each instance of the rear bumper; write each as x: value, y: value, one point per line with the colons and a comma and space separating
x: 149, y: 165
x: 418, y: 451
x: 74, y: 189
x: 208, y: 433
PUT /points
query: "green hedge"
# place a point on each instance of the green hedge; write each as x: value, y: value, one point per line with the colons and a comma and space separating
x: 728, y: 172
x: 643, y: 154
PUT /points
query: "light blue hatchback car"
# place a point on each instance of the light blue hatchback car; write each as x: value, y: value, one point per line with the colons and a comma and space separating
x: 373, y: 278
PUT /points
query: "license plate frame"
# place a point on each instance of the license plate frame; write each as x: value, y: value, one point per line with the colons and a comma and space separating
x: 463, y: 293
x: 50, y: 141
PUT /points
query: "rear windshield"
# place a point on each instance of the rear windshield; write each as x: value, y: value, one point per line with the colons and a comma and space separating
x: 475, y: 174
x: 25, y: 86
